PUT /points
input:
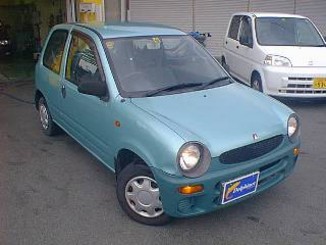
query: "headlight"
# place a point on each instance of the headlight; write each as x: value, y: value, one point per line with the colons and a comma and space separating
x: 275, y: 60
x: 193, y: 159
x: 293, y: 126
x: 4, y: 42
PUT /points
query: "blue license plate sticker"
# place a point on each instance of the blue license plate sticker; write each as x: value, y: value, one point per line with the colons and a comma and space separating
x: 240, y: 187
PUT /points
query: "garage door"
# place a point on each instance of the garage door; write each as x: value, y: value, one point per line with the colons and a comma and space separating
x: 277, y: 6
x: 169, y: 12
x: 213, y: 17
x: 315, y: 10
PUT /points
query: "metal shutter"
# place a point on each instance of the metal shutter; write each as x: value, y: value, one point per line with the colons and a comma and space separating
x: 213, y: 16
x: 169, y: 12
x: 314, y: 10
x: 278, y: 6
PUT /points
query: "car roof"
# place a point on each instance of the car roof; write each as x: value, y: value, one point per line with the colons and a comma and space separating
x: 266, y: 14
x: 128, y: 29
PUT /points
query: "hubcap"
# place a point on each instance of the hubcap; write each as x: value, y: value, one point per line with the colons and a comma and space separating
x: 256, y: 85
x: 143, y: 197
x: 44, y: 116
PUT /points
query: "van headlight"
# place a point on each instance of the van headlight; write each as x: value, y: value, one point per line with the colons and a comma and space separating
x: 293, y: 127
x: 275, y: 60
x: 193, y: 159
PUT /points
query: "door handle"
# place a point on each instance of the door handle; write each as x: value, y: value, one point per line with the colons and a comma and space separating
x: 63, y: 91
x: 237, y: 46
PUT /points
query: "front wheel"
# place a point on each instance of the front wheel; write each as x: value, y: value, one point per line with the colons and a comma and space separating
x: 256, y: 83
x: 139, y: 195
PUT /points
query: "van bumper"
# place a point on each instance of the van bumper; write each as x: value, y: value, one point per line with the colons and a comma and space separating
x: 293, y: 81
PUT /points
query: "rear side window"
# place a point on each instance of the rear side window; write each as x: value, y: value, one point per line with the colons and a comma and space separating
x: 234, y: 27
x: 54, y: 50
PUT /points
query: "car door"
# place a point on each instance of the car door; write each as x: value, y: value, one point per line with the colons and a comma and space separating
x: 232, y: 45
x: 49, y: 71
x: 87, y: 118
x: 245, y: 57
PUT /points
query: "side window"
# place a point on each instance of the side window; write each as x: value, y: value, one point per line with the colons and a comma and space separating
x: 234, y: 27
x: 54, y: 51
x: 245, y: 33
x: 81, y: 61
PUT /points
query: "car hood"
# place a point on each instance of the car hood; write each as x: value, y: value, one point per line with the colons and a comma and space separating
x: 222, y: 118
x: 299, y: 56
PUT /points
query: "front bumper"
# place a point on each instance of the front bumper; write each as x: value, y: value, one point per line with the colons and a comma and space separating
x: 293, y: 81
x: 274, y: 167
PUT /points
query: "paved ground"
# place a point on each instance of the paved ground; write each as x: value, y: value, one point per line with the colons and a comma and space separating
x: 52, y: 191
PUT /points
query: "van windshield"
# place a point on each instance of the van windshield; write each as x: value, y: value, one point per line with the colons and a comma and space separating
x: 279, y: 31
x: 159, y: 65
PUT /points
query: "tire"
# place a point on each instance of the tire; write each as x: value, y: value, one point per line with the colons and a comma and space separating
x: 48, y: 125
x: 142, y: 204
x: 224, y: 65
x: 256, y: 83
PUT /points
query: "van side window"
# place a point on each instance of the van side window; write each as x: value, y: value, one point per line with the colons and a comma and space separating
x: 245, y: 32
x: 54, y: 50
x: 81, y: 60
x: 234, y: 27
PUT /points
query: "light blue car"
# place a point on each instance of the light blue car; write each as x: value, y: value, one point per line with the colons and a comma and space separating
x: 157, y: 109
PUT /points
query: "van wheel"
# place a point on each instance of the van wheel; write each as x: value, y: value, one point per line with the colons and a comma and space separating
x: 256, y: 83
x: 224, y: 65
x: 139, y: 195
x: 48, y: 126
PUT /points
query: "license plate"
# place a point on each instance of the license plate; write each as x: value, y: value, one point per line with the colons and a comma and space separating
x: 319, y: 83
x: 240, y: 187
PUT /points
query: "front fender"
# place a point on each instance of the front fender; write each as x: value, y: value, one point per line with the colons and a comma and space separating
x: 149, y: 138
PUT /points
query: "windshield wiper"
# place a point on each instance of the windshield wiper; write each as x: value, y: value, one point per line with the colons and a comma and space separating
x: 173, y: 87
x: 215, y: 81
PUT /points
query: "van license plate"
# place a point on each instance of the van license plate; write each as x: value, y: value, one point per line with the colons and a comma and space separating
x: 319, y: 83
x: 240, y: 187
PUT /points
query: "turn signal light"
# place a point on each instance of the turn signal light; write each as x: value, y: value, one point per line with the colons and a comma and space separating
x: 190, y: 189
x: 296, y: 151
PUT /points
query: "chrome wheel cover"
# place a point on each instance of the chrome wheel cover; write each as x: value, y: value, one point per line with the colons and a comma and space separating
x: 44, y: 116
x: 143, y: 197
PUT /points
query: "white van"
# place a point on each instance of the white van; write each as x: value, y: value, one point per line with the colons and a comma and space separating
x: 278, y: 54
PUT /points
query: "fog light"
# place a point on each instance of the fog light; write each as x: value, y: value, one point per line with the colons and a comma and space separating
x: 296, y: 151
x: 191, y: 189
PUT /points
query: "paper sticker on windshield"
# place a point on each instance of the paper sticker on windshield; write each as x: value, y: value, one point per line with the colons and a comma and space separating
x: 156, y: 40
x: 110, y: 44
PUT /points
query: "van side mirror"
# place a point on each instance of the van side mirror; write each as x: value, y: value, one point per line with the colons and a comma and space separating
x: 246, y: 41
x: 92, y: 85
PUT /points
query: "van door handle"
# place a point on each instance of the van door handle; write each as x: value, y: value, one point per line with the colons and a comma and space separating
x: 63, y: 91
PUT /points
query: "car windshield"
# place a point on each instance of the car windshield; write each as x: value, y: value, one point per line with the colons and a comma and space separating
x: 157, y: 65
x: 277, y: 31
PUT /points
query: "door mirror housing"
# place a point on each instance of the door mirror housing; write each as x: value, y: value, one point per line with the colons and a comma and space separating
x: 92, y: 85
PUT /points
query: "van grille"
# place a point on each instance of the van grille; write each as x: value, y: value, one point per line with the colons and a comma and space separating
x: 252, y: 151
x: 301, y: 85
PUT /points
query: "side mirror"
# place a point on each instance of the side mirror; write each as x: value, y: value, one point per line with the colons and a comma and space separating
x: 244, y: 40
x: 92, y: 85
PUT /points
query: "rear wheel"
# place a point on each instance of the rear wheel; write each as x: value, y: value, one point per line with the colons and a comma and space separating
x: 48, y: 125
x: 139, y: 195
x: 256, y: 83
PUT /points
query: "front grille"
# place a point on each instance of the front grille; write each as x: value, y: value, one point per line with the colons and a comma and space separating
x: 301, y: 85
x: 252, y: 151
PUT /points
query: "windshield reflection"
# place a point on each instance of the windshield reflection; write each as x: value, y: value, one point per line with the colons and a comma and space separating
x: 144, y: 65
x: 277, y: 31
